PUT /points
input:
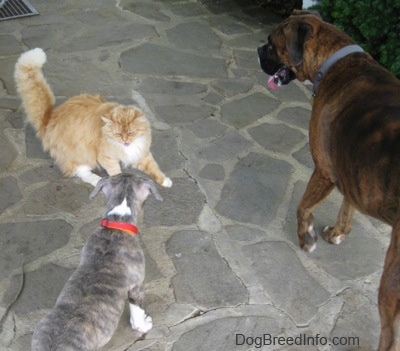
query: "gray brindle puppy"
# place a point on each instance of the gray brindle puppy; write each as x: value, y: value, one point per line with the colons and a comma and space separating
x: 111, y: 269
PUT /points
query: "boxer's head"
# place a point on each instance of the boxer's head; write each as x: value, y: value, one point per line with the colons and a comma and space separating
x: 283, y: 56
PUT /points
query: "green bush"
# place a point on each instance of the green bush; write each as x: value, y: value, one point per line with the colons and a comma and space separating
x: 373, y: 24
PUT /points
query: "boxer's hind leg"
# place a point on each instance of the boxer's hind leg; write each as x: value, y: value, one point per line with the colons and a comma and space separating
x: 318, y: 188
x: 337, y: 233
x: 389, y: 296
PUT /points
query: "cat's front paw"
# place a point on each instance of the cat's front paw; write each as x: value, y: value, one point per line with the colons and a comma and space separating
x: 167, y: 182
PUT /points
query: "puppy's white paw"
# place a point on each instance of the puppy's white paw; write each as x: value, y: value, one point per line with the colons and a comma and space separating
x: 139, y: 320
x: 146, y: 326
x: 167, y: 182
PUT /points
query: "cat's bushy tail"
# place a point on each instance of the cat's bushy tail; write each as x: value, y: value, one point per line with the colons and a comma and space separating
x: 36, y: 94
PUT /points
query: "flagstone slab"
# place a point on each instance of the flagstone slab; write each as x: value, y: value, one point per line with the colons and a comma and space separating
x: 297, y: 116
x: 247, y: 59
x: 17, y: 118
x: 244, y: 234
x: 254, y: 189
x: 228, y: 334
x: 41, y: 174
x: 9, y: 103
x: 366, y: 335
x: 170, y: 87
x: 194, y: 36
x: 31, y: 239
x: 12, y: 46
x: 33, y: 145
x: 284, y: 278
x: 92, y: 33
x: 7, y: 73
x: 287, y: 93
x: 97, y: 78
x: 182, y: 204
x: 41, y: 288
x: 203, y: 278
x: 213, y: 172
x: 171, y: 62
x: 47, y: 36
x: 229, y: 26
x: 276, y: 137
x: 224, y: 148
x: 188, y: 9
x: 7, y: 152
x: 303, y: 155
x: 61, y: 195
x: 100, y: 36
x: 10, y: 193
x: 231, y: 87
x: 151, y: 11
x: 207, y: 128
x: 163, y: 141
x: 213, y: 98
x: 248, y: 41
x: 242, y: 112
x: 182, y: 114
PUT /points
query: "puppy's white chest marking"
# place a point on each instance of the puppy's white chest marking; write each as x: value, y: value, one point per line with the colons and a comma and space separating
x: 121, y: 210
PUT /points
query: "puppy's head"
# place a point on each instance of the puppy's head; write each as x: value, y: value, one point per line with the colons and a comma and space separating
x: 282, y: 57
x: 126, y: 187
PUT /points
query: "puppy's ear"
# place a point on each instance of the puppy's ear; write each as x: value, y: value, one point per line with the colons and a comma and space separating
x: 101, y: 185
x: 146, y: 188
x: 296, y: 34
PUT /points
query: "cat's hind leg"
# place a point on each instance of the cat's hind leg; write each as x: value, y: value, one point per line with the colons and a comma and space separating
x: 139, y: 320
x: 85, y: 173
x: 150, y: 166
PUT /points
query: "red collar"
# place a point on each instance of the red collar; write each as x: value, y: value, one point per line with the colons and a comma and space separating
x: 126, y: 227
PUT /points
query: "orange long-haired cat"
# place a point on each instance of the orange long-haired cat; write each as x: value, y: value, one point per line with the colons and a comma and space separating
x: 85, y: 131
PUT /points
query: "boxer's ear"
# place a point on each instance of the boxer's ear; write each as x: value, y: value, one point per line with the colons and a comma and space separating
x: 296, y: 35
x: 296, y: 12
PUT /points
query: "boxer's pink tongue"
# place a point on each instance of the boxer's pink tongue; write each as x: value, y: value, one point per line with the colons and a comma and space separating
x: 271, y: 83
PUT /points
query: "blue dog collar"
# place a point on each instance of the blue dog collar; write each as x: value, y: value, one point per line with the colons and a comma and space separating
x: 338, y: 55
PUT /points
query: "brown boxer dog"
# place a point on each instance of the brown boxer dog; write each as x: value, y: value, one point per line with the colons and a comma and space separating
x: 354, y: 139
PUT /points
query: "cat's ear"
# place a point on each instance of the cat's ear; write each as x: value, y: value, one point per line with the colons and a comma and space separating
x: 138, y: 113
x: 106, y: 120
x: 101, y: 185
x: 146, y: 188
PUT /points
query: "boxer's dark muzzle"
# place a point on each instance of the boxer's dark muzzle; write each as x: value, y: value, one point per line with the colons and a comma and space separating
x: 279, y: 73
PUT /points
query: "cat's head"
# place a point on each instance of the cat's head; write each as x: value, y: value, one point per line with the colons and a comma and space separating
x: 124, y: 124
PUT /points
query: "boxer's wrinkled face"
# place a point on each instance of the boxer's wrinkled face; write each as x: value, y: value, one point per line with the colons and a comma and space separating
x: 279, y: 73
x: 283, y: 56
